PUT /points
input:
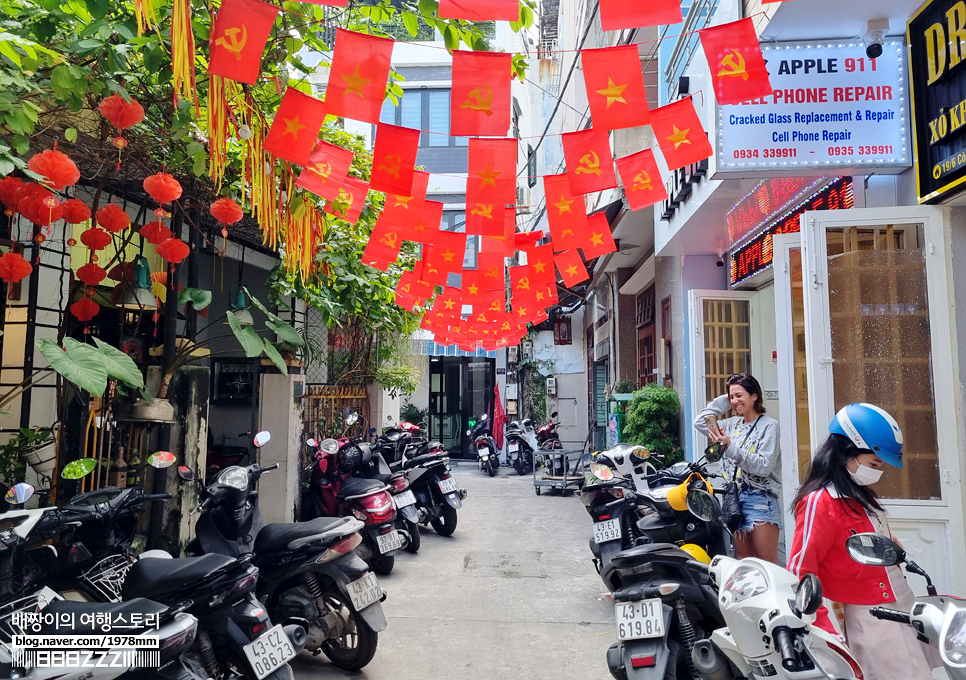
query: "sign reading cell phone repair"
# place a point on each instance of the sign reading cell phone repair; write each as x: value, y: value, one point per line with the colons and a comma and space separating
x: 833, y: 111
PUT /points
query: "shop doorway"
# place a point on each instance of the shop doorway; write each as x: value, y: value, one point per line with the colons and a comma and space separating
x: 461, y: 389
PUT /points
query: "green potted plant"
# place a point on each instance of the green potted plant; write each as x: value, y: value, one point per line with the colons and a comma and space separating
x: 35, y: 446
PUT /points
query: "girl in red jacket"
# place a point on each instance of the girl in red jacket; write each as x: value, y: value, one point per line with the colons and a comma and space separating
x: 833, y: 503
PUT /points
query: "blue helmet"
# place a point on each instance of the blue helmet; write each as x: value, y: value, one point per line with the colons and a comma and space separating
x: 869, y: 427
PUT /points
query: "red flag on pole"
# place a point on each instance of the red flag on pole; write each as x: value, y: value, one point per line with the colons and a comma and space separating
x: 242, y: 27
x: 615, y: 87
x: 325, y: 170
x: 618, y: 14
x: 480, y: 103
x: 679, y: 133
x: 566, y: 213
x: 642, y: 179
x: 357, y: 79
x: 590, y: 164
x: 295, y: 127
x: 737, y: 65
x: 599, y: 239
x: 480, y: 10
x: 499, y: 418
x: 393, y: 159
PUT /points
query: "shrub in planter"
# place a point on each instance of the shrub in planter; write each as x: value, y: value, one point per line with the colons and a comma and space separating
x: 652, y: 421
x: 34, y: 446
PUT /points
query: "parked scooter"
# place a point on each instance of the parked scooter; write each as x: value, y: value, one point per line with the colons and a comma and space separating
x: 521, y: 442
x: 307, y: 572
x: 938, y: 620
x: 768, y: 614
x: 488, y: 456
x: 547, y: 437
x: 438, y: 494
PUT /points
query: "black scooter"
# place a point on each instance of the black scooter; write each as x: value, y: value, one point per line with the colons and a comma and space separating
x: 483, y: 443
x: 438, y: 494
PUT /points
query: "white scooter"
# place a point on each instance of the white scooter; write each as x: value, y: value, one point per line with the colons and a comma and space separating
x: 938, y: 620
x: 769, y: 613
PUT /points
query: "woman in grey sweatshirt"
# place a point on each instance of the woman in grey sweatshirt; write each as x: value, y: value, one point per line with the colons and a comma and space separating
x: 750, y: 453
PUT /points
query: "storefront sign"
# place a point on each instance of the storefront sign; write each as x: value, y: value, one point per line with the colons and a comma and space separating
x: 936, y: 34
x: 771, y: 198
x: 756, y: 256
x: 833, y: 111
x: 680, y: 184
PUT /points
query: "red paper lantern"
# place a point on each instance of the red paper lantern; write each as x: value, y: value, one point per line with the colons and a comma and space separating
x: 155, y: 232
x: 76, y: 211
x: 95, y: 239
x: 58, y: 169
x: 162, y: 187
x: 9, y: 189
x: 38, y: 205
x: 120, y: 113
x: 91, y: 274
x: 85, y: 309
x: 174, y: 250
x: 113, y: 218
x: 226, y: 211
x: 13, y: 267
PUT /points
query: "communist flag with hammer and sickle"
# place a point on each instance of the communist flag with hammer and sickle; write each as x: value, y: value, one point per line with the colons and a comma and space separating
x: 642, y: 179
x: 737, y: 66
x: 349, y: 200
x: 480, y: 101
x: 238, y: 39
x: 480, y: 10
x: 411, y: 292
x: 618, y: 14
x: 383, y: 247
x: 566, y: 213
x: 590, y: 164
x: 325, y: 170
x: 680, y: 134
x: 357, y: 78
x: 393, y: 159
x: 615, y: 87
x: 491, y: 184
x: 295, y: 127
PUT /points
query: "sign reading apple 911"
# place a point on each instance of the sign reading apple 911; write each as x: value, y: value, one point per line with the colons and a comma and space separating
x: 833, y: 111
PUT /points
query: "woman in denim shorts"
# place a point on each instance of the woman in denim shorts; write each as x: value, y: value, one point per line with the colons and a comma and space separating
x: 750, y: 441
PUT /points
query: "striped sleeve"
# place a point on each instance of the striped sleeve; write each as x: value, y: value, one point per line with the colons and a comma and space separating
x: 813, y: 534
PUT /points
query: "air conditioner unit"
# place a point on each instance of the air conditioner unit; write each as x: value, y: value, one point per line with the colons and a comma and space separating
x: 512, y: 354
x: 523, y: 200
x: 551, y: 387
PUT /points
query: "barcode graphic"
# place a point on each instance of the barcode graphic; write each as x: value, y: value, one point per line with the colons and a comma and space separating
x: 79, y: 658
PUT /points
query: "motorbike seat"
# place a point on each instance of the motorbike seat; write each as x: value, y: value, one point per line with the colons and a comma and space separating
x: 424, y: 458
x: 358, y: 486
x: 89, y: 624
x: 633, y: 557
x: 157, y: 576
x: 278, y: 536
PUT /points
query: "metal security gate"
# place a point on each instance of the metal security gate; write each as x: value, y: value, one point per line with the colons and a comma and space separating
x: 325, y: 408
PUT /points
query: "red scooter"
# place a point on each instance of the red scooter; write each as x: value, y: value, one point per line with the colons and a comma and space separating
x: 335, y: 491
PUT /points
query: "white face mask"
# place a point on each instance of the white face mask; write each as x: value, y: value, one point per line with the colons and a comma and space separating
x: 865, y: 475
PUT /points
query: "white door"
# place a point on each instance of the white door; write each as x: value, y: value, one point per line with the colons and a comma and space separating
x: 876, y: 291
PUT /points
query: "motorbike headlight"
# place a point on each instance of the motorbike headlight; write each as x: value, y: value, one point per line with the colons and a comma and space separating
x: 234, y: 476
x: 953, y: 640
x: 329, y: 446
x: 745, y: 582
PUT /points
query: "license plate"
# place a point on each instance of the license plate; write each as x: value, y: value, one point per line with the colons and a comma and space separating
x: 448, y: 485
x: 389, y: 542
x: 404, y: 499
x: 365, y: 591
x: 483, y: 452
x: 642, y: 619
x: 269, y: 652
x: 609, y: 530
x: 513, y: 448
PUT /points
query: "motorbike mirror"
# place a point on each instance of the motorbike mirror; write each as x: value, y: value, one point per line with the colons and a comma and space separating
x: 484, y: 417
x: 808, y: 596
x: 874, y: 549
x: 601, y: 472
x: 78, y: 469
x: 18, y: 494
x: 311, y: 442
x: 701, y: 504
x: 352, y: 418
x: 640, y: 453
x: 372, y: 430
x: 714, y: 451
x: 469, y: 432
x: 261, y: 438
x: 186, y: 473
x: 553, y: 415
x: 161, y: 459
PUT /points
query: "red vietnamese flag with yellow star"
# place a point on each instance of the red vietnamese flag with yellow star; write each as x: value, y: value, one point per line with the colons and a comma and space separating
x: 326, y: 170
x: 599, y: 240
x: 615, y: 87
x: 480, y: 101
x: 679, y: 134
x: 331, y: 3
x: 424, y: 227
x: 382, y: 248
x: 590, y: 164
x: 618, y: 14
x: 393, y: 159
x: 571, y: 267
x: 406, y: 210
x: 641, y: 179
x: 446, y: 252
x: 357, y: 79
x: 295, y: 127
x: 480, y: 10
x: 566, y: 213
x: 545, y: 293
x: 490, y: 185
x: 349, y: 200
x: 242, y: 27
x: 737, y: 65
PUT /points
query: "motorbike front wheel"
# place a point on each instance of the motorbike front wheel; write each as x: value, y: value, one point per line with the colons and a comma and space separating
x: 357, y: 644
x: 445, y: 524
x: 413, y: 530
x: 382, y: 564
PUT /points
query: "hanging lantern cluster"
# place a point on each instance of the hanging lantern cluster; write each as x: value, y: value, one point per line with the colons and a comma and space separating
x: 57, y: 169
x: 39, y: 205
x: 76, y: 211
x: 162, y: 187
x: 13, y: 267
x: 173, y: 251
x: 85, y: 309
x: 10, y: 187
x: 122, y: 115
x: 113, y: 218
x: 155, y: 232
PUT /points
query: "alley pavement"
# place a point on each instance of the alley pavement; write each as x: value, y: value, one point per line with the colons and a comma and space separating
x: 511, y: 594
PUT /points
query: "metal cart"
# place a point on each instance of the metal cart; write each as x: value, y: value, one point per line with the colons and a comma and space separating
x: 563, y: 469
